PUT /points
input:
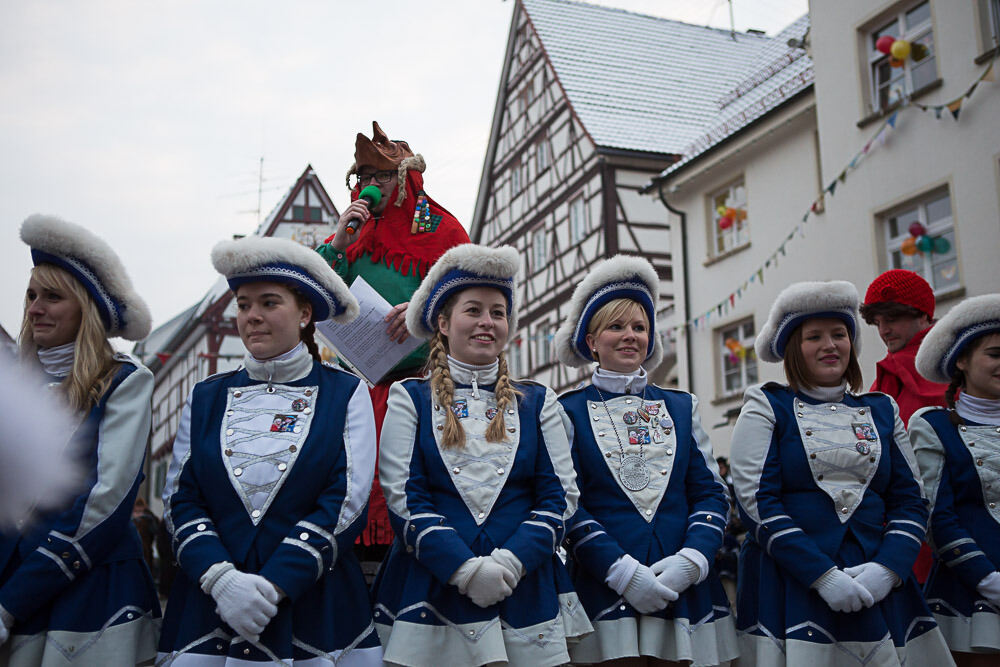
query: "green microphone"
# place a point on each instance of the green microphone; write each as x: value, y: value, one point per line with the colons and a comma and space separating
x: 371, y: 195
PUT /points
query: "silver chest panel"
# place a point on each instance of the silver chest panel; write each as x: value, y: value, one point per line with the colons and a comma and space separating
x: 262, y: 435
x: 480, y: 468
x: 659, y: 451
x: 831, y: 436
x: 983, y: 443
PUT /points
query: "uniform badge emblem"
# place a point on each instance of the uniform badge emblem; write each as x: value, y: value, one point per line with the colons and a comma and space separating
x: 460, y: 407
x: 643, y: 414
x: 300, y: 404
x: 630, y: 417
x: 863, y: 447
x: 863, y: 431
x: 666, y: 422
x: 652, y: 408
x: 284, y: 423
x: 638, y: 435
x: 491, y: 413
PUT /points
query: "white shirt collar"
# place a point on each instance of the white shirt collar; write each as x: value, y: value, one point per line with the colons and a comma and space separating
x: 288, y: 367
x: 463, y: 373
x: 826, y: 394
x: 57, y: 361
x: 979, y: 410
x: 620, y: 383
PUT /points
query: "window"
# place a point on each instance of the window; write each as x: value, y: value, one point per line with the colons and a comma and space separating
x: 539, y: 249
x: 890, y: 84
x: 577, y: 220
x: 515, y: 177
x: 730, y: 226
x: 543, y: 345
x: 931, y: 254
x: 514, y: 359
x: 310, y: 213
x: 739, y: 362
x: 989, y: 22
x: 542, y: 155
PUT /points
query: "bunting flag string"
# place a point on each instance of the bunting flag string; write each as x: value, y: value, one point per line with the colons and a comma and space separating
x: 878, y: 139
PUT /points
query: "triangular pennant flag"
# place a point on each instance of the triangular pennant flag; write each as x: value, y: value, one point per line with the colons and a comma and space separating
x: 833, y: 186
x: 163, y: 356
x: 867, y: 146
x: 955, y: 108
x: 781, y: 249
x: 760, y: 276
x: 767, y: 264
x: 843, y: 176
x: 937, y: 112
x: 732, y: 299
x: 719, y: 309
x: 892, y: 119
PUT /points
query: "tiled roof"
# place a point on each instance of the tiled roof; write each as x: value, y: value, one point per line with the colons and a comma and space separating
x: 640, y: 82
x: 777, y: 74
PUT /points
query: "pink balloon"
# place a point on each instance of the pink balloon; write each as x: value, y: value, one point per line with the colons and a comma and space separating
x: 725, y: 222
x: 916, y: 229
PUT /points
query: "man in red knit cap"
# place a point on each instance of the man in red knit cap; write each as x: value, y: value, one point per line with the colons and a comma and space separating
x: 901, y: 305
x: 399, y: 240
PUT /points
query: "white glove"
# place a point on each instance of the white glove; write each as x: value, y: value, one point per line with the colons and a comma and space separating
x: 841, y: 592
x: 511, y: 563
x: 488, y: 584
x: 641, y: 590
x: 989, y: 588
x: 245, y: 602
x: 6, y: 622
x: 876, y: 578
x: 676, y: 572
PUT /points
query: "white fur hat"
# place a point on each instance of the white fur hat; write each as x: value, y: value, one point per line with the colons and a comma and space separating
x: 90, y: 260
x: 944, y: 343
x: 268, y: 259
x: 621, y: 276
x: 464, y: 266
x: 803, y: 301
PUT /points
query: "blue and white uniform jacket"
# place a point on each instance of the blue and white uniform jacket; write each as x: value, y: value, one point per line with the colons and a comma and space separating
x: 809, y: 472
x: 686, y: 502
x: 448, y: 505
x: 79, y: 572
x: 272, y: 468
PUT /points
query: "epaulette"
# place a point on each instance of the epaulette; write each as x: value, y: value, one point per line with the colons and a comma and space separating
x: 220, y: 375
x: 574, y: 390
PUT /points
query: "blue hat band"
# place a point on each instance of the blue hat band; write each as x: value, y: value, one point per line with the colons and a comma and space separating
x: 457, y: 280
x: 792, y: 321
x: 324, y: 304
x: 962, y: 341
x: 112, y: 312
x: 633, y: 289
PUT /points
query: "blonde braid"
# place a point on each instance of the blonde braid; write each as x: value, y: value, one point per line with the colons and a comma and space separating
x: 443, y: 389
x: 506, y: 396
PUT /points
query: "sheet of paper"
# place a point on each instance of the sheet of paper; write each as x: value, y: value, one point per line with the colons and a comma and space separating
x: 363, y: 343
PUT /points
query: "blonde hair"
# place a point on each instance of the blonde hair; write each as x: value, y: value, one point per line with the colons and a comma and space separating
x: 93, y: 359
x: 614, y: 310
x: 443, y: 389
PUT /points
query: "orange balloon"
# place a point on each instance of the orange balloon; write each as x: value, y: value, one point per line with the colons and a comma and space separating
x: 909, y: 246
x: 895, y: 62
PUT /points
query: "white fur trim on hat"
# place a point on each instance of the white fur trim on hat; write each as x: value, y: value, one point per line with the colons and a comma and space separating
x: 613, y: 269
x: 499, y: 263
x: 241, y: 256
x: 800, y: 301
x: 64, y: 239
x: 943, y: 344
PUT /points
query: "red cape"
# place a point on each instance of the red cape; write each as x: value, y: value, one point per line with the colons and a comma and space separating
x: 391, y: 241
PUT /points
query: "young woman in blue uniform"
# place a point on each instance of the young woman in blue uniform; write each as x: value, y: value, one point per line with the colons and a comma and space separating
x: 74, y: 588
x: 958, y: 451
x: 652, y: 504
x: 271, y: 472
x: 478, y: 479
x: 828, y: 489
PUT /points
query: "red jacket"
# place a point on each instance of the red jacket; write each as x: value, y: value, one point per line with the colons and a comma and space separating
x: 897, y: 376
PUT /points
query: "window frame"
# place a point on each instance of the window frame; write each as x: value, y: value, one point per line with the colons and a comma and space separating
x: 543, y: 154
x: 876, y: 59
x: 578, y: 230
x: 720, y: 336
x: 944, y: 226
x: 539, y: 240
x: 988, y: 13
x: 739, y: 232
x: 544, y: 348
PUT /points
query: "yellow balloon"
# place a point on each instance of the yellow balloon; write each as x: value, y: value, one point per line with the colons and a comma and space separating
x: 900, y: 49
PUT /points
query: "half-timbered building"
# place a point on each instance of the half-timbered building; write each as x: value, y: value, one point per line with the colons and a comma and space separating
x: 203, y: 340
x: 593, y: 102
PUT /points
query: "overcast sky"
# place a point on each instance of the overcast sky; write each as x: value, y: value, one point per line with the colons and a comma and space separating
x: 146, y: 121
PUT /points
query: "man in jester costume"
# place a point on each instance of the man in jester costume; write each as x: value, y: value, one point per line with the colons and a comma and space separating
x: 401, y: 236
